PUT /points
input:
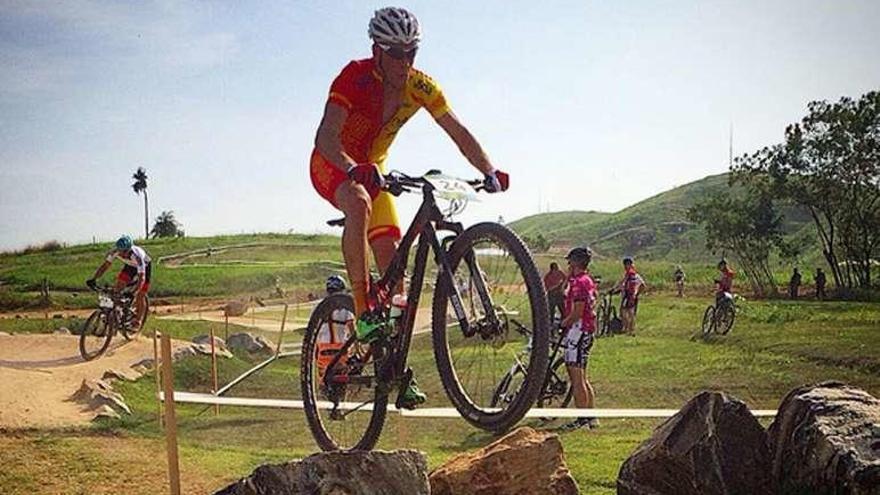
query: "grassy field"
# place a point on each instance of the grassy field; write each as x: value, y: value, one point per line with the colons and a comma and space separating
x: 232, y: 266
x: 773, y: 347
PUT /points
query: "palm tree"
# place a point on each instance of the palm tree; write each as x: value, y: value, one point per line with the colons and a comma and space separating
x: 140, y: 185
x: 166, y: 226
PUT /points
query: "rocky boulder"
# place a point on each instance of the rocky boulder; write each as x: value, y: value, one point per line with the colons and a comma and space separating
x: 248, y: 342
x: 206, y: 340
x: 340, y: 473
x: 522, y: 462
x: 98, y: 395
x: 826, y: 439
x: 712, y: 445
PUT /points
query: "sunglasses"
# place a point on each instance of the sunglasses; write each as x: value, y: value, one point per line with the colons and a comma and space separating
x: 400, y: 53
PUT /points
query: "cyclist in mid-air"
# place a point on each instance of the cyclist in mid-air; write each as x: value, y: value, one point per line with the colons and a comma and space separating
x: 137, y: 264
x: 580, y: 325
x: 369, y: 101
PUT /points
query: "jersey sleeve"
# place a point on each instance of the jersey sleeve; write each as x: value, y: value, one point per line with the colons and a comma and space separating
x: 343, y: 89
x: 429, y: 95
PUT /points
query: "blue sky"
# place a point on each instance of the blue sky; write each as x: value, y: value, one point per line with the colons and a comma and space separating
x: 588, y: 105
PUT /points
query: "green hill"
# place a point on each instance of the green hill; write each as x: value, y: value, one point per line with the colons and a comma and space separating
x: 655, y: 228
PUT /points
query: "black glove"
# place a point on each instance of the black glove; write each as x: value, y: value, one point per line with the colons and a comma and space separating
x: 91, y: 284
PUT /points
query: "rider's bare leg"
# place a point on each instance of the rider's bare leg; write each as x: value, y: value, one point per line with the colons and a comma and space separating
x: 584, y: 396
x: 384, y: 249
x: 354, y: 201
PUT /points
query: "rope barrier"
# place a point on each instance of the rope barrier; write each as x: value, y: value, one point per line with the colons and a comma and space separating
x: 432, y: 412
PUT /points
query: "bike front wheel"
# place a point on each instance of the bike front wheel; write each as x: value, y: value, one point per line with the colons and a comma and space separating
x: 725, y: 320
x: 491, y: 264
x: 346, y: 412
x: 708, y: 320
x: 95, y: 336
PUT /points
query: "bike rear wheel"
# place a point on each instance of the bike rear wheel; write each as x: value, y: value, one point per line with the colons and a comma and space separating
x: 557, y: 391
x: 708, y: 320
x: 471, y: 365
x: 331, y: 410
x: 95, y: 336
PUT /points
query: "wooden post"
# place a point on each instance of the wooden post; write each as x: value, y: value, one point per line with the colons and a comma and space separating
x: 226, y: 317
x: 281, y: 333
x: 170, y: 422
x: 214, y: 371
x: 156, y: 370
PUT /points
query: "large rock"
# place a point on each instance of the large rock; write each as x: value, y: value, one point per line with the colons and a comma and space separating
x: 340, y: 473
x: 522, y: 462
x: 712, y: 445
x: 99, y: 394
x: 206, y: 339
x: 826, y: 439
x: 247, y: 342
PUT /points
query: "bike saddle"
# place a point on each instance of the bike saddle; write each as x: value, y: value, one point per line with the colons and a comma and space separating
x: 339, y: 222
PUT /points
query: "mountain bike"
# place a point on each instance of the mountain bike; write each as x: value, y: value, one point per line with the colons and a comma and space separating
x: 556, y: 391
x: 346, y: 390
x: 114, y: 314
x: 609, y: 322
x: 719, y: 318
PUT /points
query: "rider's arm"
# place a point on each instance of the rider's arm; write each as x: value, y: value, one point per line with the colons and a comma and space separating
x: 466, y: 142
x: 101, y: 269
x: 328, y: 141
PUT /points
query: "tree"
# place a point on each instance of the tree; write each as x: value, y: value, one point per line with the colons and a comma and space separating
x: 748, y: 226
x: 139, y: 186
x: 166, y: 226
x: 830, y: 164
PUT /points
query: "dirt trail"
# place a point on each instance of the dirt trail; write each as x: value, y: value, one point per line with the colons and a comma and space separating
x: 39, y: 373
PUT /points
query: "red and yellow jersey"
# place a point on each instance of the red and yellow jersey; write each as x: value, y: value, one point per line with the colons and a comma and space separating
x: 358, y: 88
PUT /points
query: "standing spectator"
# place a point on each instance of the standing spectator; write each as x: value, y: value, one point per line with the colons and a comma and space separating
x: 580, y: 325
x: 630, y: 286
x: 794, y: 284
x: 679, y: 280
x: 820, y: 284
x: 555, y: 282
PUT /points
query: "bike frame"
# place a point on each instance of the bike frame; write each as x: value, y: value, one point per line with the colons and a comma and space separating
x: 423, y: 228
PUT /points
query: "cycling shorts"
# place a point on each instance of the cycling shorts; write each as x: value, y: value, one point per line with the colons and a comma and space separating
x: 326, y: 178
x: 129, y: 273
x: 577, y: 345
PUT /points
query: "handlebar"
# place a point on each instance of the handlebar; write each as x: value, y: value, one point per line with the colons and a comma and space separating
x: 397, y: 183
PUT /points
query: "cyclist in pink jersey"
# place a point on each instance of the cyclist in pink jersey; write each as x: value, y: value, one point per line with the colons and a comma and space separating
x: 579, y: 325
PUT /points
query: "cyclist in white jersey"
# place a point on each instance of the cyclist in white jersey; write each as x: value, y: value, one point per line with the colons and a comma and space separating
x: 341, y: 319
x: 136, y: 270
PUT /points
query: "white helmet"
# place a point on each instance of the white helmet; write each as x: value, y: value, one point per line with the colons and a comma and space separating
x: 395, y: 26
